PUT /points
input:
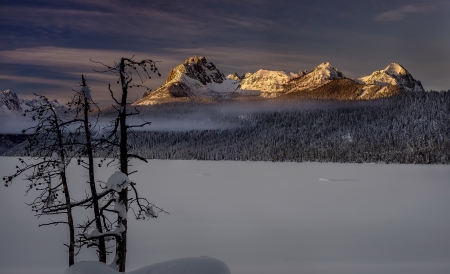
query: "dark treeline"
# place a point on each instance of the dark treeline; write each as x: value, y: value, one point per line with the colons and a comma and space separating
x: 410, y: 128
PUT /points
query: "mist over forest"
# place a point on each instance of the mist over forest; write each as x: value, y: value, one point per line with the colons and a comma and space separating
x: 410, y: 128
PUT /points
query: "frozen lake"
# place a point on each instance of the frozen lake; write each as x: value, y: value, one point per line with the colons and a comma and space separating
x: 261, y: 218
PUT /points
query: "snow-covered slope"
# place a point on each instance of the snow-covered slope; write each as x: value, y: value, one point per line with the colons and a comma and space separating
x: 199, y: 79
x: 194, y: 265
x: 393, y: 75
x: 11, y: 104
x: 269, y: 82
x: 195, y: 77
x: 319, y: 76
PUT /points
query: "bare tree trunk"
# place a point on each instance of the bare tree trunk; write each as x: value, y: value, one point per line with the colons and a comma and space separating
x: 66, y: 195
x: 121, y: 251
x: 98, y: 223
x: 69, y: 220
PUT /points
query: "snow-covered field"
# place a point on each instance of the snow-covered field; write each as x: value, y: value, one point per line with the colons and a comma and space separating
x: 261, y: 217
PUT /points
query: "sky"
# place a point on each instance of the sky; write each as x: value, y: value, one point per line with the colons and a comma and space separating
x: 46, y: 45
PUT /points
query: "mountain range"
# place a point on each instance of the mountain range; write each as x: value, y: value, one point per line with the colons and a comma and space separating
x: 11, y: 104
x: 196, y: 79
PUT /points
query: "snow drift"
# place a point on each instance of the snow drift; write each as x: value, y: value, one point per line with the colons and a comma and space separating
x: 193, y: 265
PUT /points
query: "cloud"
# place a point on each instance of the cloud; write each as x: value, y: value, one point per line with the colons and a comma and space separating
x: 37, y: 80
x: 72, y: 61
x: 60, y: 69
x: 401, y: 13
x: 61, y: 56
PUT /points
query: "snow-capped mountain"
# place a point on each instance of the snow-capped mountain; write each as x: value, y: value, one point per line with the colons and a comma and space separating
x: 11, y: 104
x: 319, y: 76
x: 393, y: 75
x: 194, y: 78
x: 198, y: 79
x: 268, y: 82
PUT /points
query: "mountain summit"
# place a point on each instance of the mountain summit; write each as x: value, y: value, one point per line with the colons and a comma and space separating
x: 197, y: 68
x: 319, y: 76
x: 393, y: 75
x: 194, y: 78
x: 197, y: 79
x: 268, y: 83
x: 11, y: 104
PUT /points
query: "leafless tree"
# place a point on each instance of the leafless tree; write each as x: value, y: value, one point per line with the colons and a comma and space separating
x: 116, y: 140
x: 50, y: 153
x: 82, y: 104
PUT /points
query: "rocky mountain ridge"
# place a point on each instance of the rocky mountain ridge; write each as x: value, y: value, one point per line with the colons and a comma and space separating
x: 11, y: 104
x: 393, y: 75
x: 196, y: 79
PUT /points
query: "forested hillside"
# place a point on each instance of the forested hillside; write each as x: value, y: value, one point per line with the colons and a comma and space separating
x: 408, y: 128
x: 412, y: 127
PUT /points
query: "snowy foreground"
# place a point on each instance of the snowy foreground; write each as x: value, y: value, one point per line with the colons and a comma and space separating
x: 258, y: 218
x: 198, y: 265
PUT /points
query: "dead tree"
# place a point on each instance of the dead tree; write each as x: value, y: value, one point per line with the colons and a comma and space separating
x: 82, y: 104
x: 116, y: 140
x: 50, y: 153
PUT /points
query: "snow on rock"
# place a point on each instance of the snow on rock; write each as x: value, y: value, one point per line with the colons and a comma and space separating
x: 195, y: 77
x: 320, y: 75
x: 118, y: 181
x: 12, y: 105
x: 266, y: 81
x: 234, y: 76
x: 199, y: 80
x: 193, y: 265
x: 199, y: 69
x: 393, y: 75
x: 9, y: 103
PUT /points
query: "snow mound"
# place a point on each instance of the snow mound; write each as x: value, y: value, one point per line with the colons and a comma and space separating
x: 193, y: 265
x: 118, y: 181
x: 90, y: 268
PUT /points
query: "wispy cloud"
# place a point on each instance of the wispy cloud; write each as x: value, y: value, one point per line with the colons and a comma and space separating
x: 70, y: 63
x: 74, y: 58
x: 34, y: 80
x: 403, y: 12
